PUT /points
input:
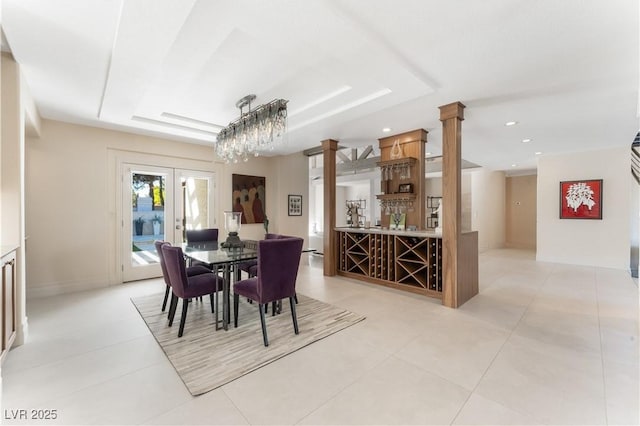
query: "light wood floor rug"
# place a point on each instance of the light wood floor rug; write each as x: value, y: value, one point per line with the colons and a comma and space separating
x: 206, y: 358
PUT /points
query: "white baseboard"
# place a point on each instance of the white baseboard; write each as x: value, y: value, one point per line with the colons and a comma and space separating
x: 56, y: 289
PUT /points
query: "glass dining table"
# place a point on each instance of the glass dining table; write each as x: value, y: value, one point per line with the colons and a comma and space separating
x: 219, y: 260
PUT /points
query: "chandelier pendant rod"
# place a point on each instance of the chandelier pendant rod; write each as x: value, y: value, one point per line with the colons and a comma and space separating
x: 244, y: 102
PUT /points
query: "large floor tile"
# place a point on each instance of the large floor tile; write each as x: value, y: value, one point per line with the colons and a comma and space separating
x: 551, y: 383
x: 455, y: 348
x: 52, y: 348
x: 617, y: 298
x: 328, y: 289
x: 213, y: 408
x: 387, y: 335
x: 133, y: 398
x: 563, y: 273
x: 620, y: 340
x: 622, y: 391
x: 495, y: 308
x: 36, y: 386
x: 483, y: 411
x: 287, y: 390
x: 550, y: 326
x: 382, y: 302
x: 416, y: 397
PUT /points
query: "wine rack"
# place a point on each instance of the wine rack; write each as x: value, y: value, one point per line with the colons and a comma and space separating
x: 412, y: 263
x: 357, y: 250
x: 435, y: 267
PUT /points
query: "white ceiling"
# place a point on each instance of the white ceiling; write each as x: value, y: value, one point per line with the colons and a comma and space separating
x: 567, y: 71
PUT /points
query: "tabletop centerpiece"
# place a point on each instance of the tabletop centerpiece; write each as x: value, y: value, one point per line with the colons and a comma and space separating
x: 232, y: 223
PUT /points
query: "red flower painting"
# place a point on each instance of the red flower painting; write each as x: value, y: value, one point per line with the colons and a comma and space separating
x: 581, y: 199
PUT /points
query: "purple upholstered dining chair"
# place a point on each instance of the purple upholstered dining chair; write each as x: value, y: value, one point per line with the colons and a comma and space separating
x: 251, y: 266
x: 191, y: 271
x: 278, y: 261
x: 185, y: 287
x: 202, y: 235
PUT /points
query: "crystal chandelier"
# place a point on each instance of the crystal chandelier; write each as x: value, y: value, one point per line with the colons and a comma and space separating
x: 254, y: 131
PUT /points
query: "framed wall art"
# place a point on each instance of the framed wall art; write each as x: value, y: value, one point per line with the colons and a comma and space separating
x: 398, y: 221
x: 248, y: 196
x: 405, y: 188
x: 581, y: 199
x: 295, y: 205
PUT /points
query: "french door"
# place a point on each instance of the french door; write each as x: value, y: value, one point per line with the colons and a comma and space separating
x: 195, y: 192
x: 160, y: 203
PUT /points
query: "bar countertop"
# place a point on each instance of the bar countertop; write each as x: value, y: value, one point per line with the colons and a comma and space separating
x: 378, y: 230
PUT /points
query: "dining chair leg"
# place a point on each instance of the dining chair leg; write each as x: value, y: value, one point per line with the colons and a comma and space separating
x: 166, y: 297
x: 293, y: 315
x: 273, y: 308
x: 172, y: 308
x: 212, y: 305
x: 183, y: 318
x: 236, y: 302
x: 264, y: 326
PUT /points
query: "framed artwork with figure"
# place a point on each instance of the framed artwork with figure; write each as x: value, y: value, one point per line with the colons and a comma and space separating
x: 581, y: 199
x: 248, y: 196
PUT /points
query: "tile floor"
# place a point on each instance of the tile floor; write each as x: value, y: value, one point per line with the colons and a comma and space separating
x: 542, y: 343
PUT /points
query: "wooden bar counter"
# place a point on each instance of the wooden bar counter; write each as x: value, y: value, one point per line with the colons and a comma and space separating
x: 406, y: 260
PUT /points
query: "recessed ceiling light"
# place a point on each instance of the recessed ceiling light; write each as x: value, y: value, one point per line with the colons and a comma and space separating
x: 514, y: 165
x: 510, y: 123
x: 538, y: 152
x: 386, y: 129
x: 526, y: 140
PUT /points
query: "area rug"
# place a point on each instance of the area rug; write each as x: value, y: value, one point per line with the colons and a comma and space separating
x: 206, y: 358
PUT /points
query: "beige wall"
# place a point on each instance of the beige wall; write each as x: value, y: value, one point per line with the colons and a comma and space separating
x: 72, y: 181
x: 433, y: 188
x: 521, y: 209
x: 292, y: 177
x: 284, y: 175
x: 603, y: 243
x: 466, y: 202
x: 482, y: 210
x: 487, y: 208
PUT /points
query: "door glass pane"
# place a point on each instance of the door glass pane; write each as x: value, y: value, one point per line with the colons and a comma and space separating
x: 148, y: 200
x: 195, y: 193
